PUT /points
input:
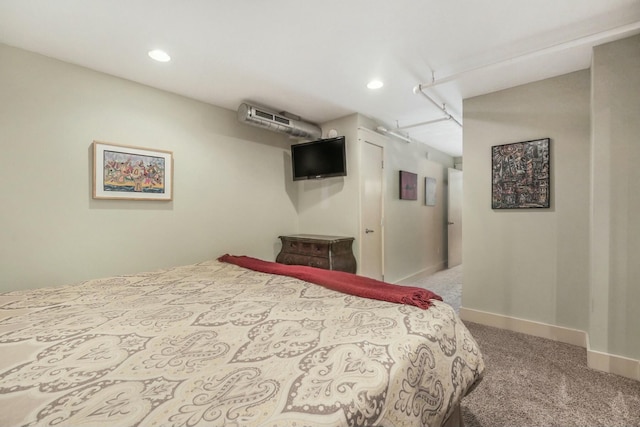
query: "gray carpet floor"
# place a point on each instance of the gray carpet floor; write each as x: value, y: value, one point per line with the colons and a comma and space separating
x: 446, y: 283
x: 531, y: 381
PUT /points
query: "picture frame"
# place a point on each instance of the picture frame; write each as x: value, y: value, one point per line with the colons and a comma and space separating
x: 430, y: 191
x: 408, y: 186
x: 521, y: 175
x: 131, y: 173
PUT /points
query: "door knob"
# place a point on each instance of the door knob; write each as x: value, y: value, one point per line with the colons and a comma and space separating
x: 366, y: 230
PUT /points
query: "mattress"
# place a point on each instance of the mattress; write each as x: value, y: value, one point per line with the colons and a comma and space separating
x: 215, y: 344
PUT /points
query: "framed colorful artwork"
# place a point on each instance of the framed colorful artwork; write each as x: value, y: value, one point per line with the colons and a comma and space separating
x: 133, y: 173
x: 408, y: 186
x: 520, y: 175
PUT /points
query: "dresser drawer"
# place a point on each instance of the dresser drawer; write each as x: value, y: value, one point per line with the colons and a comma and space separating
x: 296, y: 259
x: 305, y: 248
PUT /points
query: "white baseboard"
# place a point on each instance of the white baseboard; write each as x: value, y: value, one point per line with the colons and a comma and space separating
x: 606, y: 362
x: 614, y: 364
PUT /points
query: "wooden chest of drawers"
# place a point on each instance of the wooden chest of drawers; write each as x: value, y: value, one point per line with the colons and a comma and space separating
x: 328, y: 252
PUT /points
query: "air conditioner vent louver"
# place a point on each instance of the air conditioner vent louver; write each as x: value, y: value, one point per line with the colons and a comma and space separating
x: 281, y: 120
x: 264, y: 115
x: 258, y: 116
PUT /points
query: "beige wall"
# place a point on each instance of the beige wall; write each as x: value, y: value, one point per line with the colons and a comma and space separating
x: 575, y: 264
x: 532, y: 264
x: 330, y: 206
x: 414, y: 235
x: 615, y: 267
x: 231, y: 188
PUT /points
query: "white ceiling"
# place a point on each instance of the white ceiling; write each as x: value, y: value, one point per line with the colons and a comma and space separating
x: 314, y: 59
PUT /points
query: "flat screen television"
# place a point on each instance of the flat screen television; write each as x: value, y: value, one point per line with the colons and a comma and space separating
x: 323, y: 158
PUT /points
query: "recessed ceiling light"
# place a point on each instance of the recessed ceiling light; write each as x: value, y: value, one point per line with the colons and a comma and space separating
x: 375, y: 84
x: 159, y: 55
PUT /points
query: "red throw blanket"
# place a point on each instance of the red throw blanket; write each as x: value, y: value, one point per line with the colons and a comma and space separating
x: 340, y: 281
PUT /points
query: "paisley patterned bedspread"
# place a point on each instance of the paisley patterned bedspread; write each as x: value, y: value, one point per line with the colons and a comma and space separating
x: 213, y: 344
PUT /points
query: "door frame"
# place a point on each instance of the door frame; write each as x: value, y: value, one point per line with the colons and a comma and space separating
x: 450, y: 224
x: 368, y: 136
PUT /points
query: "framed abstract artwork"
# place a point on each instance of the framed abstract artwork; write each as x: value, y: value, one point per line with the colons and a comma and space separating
x: 430, y: 191
x: 520, y: 175
x: 133, y: 173
x: 408, y: 186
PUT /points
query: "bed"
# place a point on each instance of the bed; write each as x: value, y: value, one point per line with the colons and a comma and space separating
x: 217, y: 344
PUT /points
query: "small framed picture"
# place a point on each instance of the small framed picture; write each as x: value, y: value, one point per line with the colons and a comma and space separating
x: 132, y: 173
x: 430, y: 191
x: 408, y: 186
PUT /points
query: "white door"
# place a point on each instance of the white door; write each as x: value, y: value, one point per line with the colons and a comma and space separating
x: 371, y: 205
x: 454, y: 217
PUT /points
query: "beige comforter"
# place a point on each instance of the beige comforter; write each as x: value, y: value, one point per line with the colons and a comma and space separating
x: 214, y: 344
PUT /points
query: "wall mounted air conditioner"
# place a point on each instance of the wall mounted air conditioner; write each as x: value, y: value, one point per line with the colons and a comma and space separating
x: 277, y: 122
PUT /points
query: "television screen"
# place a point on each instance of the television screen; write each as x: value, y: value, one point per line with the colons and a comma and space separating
x: 319, y: 159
